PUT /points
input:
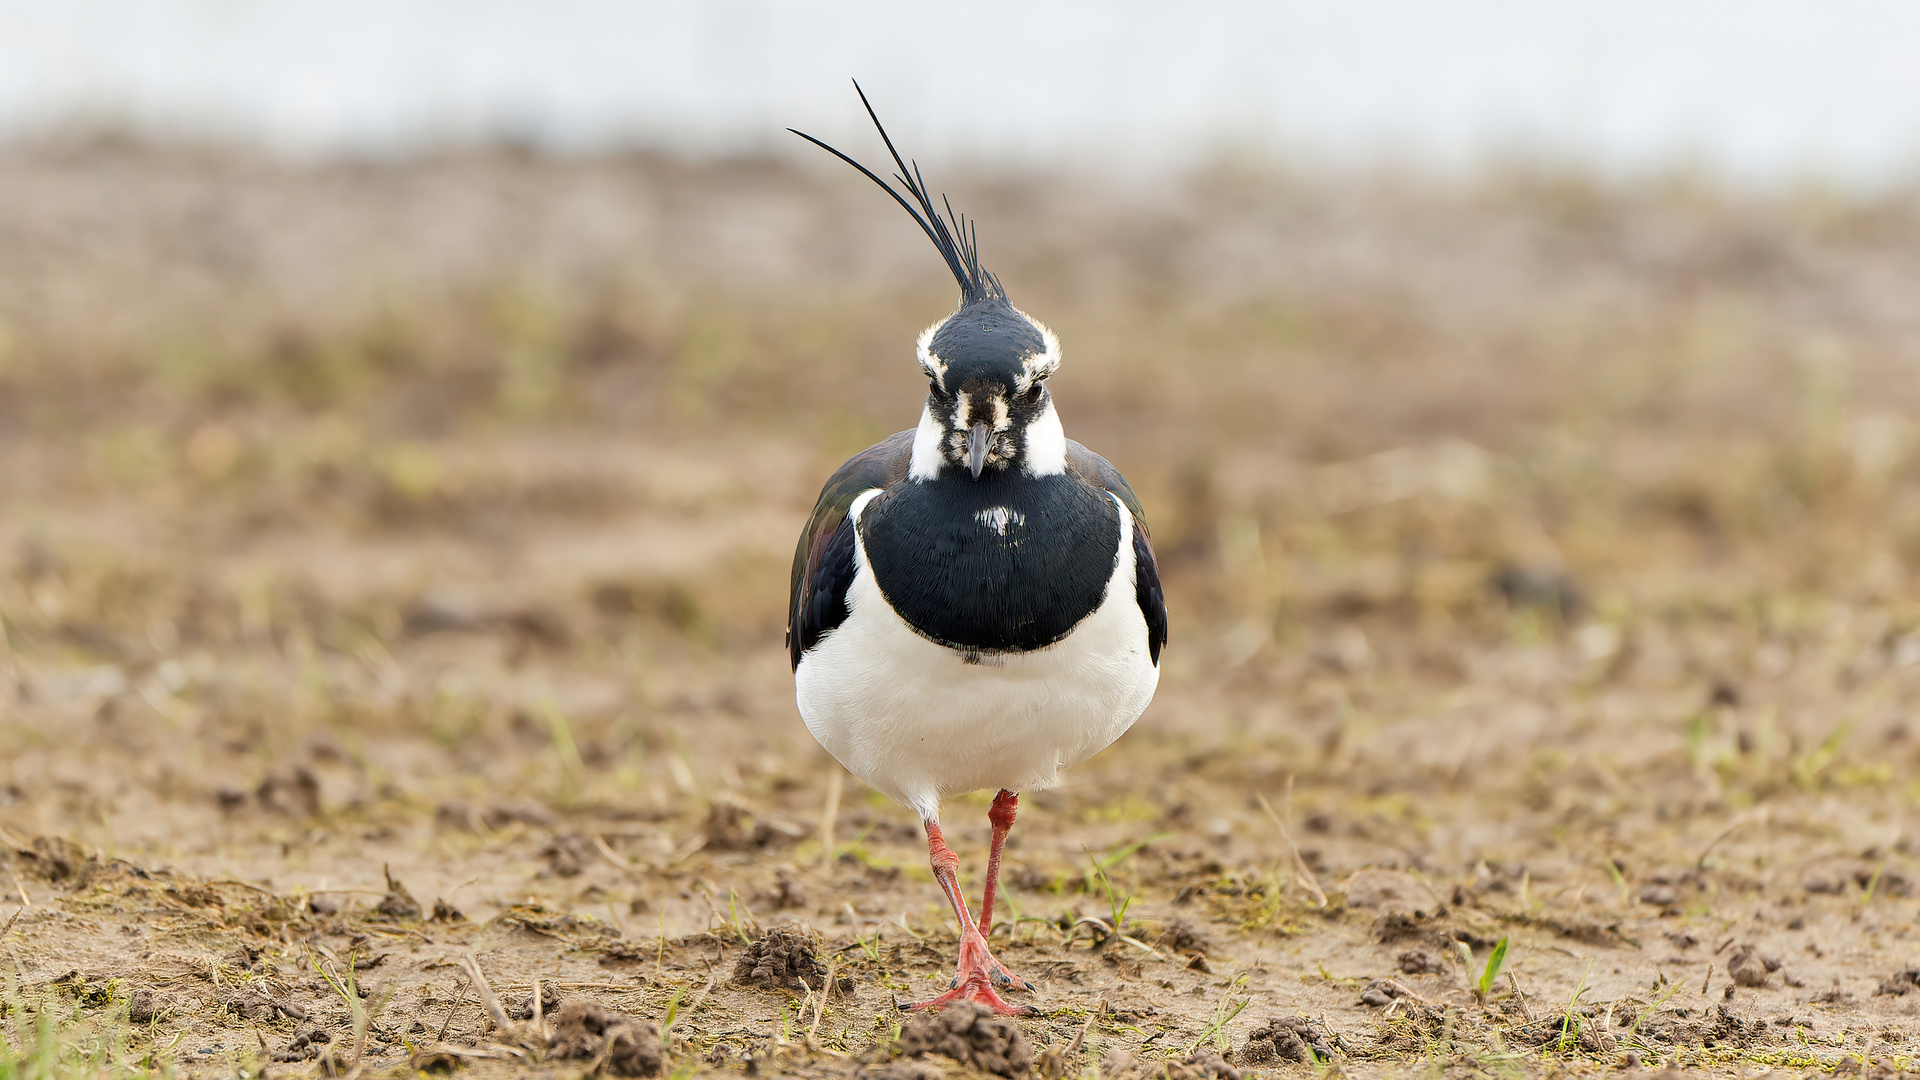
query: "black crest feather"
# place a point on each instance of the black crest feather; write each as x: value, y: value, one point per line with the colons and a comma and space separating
x: 954, y: 235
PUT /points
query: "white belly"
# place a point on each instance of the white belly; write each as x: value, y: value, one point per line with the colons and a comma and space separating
x: 917, y: 722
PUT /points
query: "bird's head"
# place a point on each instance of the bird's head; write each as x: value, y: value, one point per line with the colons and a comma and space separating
x: 987, y: 363
x: 987, y: 366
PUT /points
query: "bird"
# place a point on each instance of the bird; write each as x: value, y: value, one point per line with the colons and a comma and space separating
x: 975, y: 603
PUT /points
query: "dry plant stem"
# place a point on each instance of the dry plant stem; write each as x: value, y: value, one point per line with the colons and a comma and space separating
x: 835, y: 781
x: 485, y: 991
x: 660, y: 953
x: 607, y: 853
x: 1756, y: 815
x: 833, y: 963
x: 700, y: 998
x: 733, y: 923
x: 1080, y: 1037
x: 1519, y: 996
x: 459, y: 999
x: 539, y: 1015
x: 1298, y: 864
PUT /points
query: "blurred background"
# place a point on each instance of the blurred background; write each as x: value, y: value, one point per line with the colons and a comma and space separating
x: 407, y: 408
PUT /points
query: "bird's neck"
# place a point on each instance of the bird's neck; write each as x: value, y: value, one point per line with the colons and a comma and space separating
x: 1042, y: 447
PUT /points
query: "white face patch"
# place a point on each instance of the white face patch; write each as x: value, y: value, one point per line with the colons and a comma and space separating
x: 1046, y: 445
x: 997, y: 518
x: 1043, y: 363
x: 935, y: 367
x: 964, y: 419
x: 927, y: 457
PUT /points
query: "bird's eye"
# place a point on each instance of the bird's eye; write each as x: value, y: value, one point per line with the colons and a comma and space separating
x: 933, y: 387
x: 1032, y: 396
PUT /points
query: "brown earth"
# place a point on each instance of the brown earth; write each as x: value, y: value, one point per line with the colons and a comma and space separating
x: 393, y: 565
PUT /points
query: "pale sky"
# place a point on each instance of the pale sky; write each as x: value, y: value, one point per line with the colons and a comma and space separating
x: 1759, y: 90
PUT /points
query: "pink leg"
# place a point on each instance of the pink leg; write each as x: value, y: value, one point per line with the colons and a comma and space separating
x: 1004, y: 806
x: 977, y: 969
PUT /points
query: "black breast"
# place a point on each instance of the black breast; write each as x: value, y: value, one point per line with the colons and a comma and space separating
x: 1005, y: 563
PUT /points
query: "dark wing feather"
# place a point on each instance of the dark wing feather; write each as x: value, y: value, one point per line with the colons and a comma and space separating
x: 823, y: 561
x: 1094, y: 469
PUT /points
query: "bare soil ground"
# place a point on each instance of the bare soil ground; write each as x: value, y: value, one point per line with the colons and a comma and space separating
x: 393, y: 567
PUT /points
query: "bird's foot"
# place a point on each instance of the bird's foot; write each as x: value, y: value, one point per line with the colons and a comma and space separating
x: 975, y: 977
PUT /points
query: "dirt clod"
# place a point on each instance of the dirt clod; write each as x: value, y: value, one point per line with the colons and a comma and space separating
x: 1205, y: 1065
x: 145, y: 1007
x: 398, y: 903
x: 549, y: 1003
x: 1385, y: 992
x: 1284, y: 1038
x: 732, y: 826
x: 1728, y: 1028
x: 295, y: 793
x: 1397, y: 925
x: 306, y: 1046
x: 1421, y: 962
x: 569, y: 854
x: 1202, y: 1065
x: 255, y: 1003
x: 1899, y: 983
x: 625, y: 1046
x: 788, y: 893
x: 783, y: 958
x: 971, y: 1035
x: 1181, y: 936
x: 56, y: 858
x: 1660, y: 896
x: 1748, y: 968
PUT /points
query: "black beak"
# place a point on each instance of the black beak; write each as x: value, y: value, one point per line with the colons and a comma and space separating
x: 977, y: 442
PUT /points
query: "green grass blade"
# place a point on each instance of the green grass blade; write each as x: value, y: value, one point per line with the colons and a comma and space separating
x: 1495, y: 961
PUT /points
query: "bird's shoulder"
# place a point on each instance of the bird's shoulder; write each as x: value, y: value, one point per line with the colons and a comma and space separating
x: 1090, y: 468
x: 1093, y: 469
x: 823, y: 560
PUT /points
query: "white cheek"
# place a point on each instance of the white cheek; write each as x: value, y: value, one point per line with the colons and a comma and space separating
x: 926, y: 448
x: 1046, y: 445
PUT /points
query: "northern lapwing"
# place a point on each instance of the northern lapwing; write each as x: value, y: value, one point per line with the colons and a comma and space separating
x: 974, y: 602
